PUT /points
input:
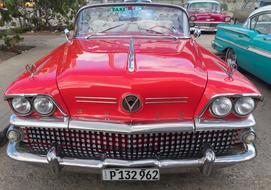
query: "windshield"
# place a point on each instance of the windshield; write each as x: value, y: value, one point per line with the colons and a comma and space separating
x: 134, y: 19
x: 204, y: 7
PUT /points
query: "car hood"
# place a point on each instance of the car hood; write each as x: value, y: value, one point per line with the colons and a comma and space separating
x: 169, y: 79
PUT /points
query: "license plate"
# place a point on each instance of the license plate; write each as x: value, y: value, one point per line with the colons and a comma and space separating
x: 128, y: 174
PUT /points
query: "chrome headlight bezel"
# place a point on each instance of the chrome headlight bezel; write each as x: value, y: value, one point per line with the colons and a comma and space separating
x: 51, y: 105
x: 194, y: 18
x: 237, y: 103
x: 227, y: 19
x: 228, y: 103
x: 28, y: 111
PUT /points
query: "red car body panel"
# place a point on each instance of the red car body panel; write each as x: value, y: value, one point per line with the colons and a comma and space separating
x: 209, y: 17
x: 164, y: 69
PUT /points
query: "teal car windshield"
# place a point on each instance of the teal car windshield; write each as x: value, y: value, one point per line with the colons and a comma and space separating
x: 204, y: 7
x: 132, y: 19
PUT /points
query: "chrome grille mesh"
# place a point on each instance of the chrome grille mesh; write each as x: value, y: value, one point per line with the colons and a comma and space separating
x: 99, y: 145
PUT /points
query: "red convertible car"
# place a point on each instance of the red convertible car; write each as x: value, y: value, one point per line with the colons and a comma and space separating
x: 130, y: 97
x: 206, y: 14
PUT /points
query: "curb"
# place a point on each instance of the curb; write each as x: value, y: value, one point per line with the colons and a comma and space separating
x: 3, y: 137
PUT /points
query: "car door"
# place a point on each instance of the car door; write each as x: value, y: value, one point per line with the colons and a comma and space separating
x: 261, y: 46
x: 241, y: 37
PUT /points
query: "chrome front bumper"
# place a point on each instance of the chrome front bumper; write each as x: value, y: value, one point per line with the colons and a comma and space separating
x: 206, y: 163
x: 206, y: 26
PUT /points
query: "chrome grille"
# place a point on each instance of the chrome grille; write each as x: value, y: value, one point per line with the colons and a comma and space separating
x: 99, y: 145
x: 212, y: 25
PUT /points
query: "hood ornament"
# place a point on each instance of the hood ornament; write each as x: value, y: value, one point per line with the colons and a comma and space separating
x: 131, y: 60
x: 232, y: 67
x: 131, y: 103
x: 30, y: 69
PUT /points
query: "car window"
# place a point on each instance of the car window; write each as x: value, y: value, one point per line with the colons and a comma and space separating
x: 262, y: 23
x: 132, y: 19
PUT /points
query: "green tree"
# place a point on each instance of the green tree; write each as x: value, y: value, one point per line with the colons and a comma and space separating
x: 59, y: 12
x: 7, y: 17
x: 43, y: 16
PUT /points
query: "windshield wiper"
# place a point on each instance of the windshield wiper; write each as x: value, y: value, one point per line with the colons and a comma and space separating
x: 111, y: 28
x: 161, y: 33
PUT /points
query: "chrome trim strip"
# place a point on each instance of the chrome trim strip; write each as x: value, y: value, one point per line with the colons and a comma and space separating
x: 211, y: 22
x: 131, y: 60
x: 260, y: 52
x: 221, y: 124
x: 232, y: 43
x: 251, y: 49
x: 205, y: 29
x: 216, y: 44
x: 42, y: 122
x: 166, y: 102
x: 125, y: 128
x: 96, y: 102
x: 221, y: 161
x: 198, y: 125
x: 233, y: 31
x: 97, y: 98
x: 135, y: 37
x: 166, y: 98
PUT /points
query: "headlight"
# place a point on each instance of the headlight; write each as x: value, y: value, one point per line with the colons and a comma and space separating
x: 193, y: 18
x: 244, y: 106
x: 221, y: 107
x: 21, y: 105
x: 227, y: 19
x: 43, y: 105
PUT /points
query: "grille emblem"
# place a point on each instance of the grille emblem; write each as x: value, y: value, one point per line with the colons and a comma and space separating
x: 131, y: 103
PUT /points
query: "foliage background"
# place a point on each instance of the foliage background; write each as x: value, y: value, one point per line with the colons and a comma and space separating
x: 43, y: 15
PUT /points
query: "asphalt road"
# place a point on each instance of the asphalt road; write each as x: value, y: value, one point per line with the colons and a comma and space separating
x: 248, y: 176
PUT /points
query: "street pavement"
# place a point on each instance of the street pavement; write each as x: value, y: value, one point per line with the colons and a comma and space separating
x: 20, y: 176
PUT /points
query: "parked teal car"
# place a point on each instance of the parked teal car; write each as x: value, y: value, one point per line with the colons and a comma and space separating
x: 248, y: 45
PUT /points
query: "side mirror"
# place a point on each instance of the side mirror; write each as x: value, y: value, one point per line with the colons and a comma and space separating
x: 68, y: 35
x: 197, y: 33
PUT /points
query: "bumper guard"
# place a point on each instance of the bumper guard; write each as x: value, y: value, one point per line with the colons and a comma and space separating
x: 206, y: 164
